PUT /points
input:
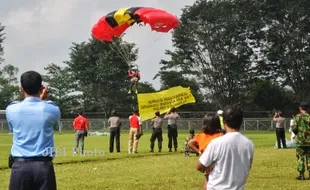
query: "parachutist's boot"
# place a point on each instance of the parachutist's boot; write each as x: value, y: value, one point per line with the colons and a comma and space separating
x: 301, y: 176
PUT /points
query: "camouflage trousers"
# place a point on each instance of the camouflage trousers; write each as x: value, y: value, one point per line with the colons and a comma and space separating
x: 303, y: 154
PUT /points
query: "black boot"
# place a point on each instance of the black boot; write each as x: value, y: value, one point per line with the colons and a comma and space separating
x: 301, y: 176
x: 170, y: 150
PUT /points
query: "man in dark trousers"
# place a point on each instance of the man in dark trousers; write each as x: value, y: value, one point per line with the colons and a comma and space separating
x: 32, y: 122
x: 157, y: 123
x: 80, y: 125
x: 115, y: 128
x: 172, y: 117
x: 280, y: 131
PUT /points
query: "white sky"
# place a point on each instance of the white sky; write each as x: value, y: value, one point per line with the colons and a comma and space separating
x: 39, y: 32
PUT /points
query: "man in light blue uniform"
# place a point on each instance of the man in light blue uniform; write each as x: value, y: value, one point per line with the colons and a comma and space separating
x: 32, y: 122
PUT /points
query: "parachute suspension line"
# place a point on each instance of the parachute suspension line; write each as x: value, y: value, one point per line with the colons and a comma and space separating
x: 123, y: 51
x: 117, y: 51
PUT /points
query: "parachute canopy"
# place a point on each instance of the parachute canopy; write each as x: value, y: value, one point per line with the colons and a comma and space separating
x: 116, y: 22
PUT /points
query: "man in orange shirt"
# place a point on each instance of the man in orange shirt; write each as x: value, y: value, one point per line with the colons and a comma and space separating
x: 80, y: 125
x: 135, y: 132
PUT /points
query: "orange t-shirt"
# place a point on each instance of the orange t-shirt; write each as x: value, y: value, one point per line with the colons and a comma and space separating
x: 204, y: 139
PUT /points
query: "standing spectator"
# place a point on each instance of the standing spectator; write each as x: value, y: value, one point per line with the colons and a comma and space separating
x: 302, y: 131
x: 230, y: 155
x: 280, y: 131
x: 220, y: 115
x: 172, y: 117
x: 115, y: 131
x: 291, y: 128
x: 134, y: 133
x: 32, y: 122
x: 157, y: 123
x: 80, y: 125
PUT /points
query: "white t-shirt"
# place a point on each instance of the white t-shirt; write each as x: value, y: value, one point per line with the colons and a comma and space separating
x: 232, y: 157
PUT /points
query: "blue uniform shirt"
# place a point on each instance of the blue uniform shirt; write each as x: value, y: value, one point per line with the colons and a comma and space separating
x: 32, y: 122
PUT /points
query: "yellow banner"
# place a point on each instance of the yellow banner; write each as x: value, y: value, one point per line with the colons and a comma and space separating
x: 163, y: 101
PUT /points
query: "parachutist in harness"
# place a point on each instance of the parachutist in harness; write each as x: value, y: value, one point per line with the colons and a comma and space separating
x: 135, y: 77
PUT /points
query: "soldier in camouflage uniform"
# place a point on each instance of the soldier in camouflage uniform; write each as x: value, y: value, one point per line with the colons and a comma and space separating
x: 302, y: 131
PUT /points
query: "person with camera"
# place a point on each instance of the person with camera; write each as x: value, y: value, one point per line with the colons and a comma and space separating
x: 32, y: 122
x: 80, y: 125
x: 115, y: 131
x: 157, y: 123
x: 172, y: 117
x: 135, y: 132
x: 280, y: 131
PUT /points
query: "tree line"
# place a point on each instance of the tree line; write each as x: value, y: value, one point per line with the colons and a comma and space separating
x: 254, y: 53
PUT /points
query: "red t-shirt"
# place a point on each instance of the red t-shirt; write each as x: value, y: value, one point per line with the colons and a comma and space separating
x: 134, y: 121
x: 80, y: 123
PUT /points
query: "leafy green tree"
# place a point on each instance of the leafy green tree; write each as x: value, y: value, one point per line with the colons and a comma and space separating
x: 2, y: 38
x: 268, y: 95
x: 287, y: 47
x: 63, y: 89
x: 9, y: 90
x: 8, y: 82
x: 145, y: 87
x: 101, y: 72
x: 211, y: 45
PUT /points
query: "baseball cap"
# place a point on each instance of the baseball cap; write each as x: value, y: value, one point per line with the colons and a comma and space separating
x: 219, y: 112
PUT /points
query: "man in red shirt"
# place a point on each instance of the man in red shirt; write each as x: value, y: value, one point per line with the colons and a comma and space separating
x: 80, y: 125
x: 135, y: 128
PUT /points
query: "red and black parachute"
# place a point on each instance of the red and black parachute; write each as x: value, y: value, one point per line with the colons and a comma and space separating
x: 115, y: 23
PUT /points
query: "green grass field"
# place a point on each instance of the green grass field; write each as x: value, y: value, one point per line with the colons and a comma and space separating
x: 272, y: 169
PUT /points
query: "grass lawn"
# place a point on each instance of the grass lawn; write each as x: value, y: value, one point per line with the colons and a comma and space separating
x: 272, y: 169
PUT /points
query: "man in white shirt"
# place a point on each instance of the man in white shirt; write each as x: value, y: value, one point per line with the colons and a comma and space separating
x: 230, y: 156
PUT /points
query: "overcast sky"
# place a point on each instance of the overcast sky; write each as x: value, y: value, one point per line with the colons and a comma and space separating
x: 39, y: 32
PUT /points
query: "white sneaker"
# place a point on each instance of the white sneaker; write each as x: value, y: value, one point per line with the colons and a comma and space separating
x: 129, y: 92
